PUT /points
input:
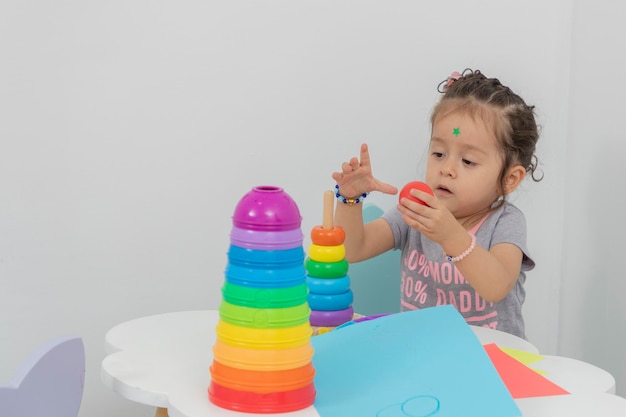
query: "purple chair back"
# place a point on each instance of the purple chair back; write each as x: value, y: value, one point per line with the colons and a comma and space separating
x: 48, y: 383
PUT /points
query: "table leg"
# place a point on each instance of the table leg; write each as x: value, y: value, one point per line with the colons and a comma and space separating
x: 161, y: 412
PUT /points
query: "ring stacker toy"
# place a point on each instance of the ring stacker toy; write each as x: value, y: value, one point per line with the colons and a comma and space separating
x: 262, y: 356
x: 330, y: 297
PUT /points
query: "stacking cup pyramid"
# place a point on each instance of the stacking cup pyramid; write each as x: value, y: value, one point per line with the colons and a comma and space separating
x: 262, y: 357
x: 330, y: 296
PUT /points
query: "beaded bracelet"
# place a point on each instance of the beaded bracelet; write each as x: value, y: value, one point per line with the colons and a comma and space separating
x: 464, y: 254
x: 349, y: 201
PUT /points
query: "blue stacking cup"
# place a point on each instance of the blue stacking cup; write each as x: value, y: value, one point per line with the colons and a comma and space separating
x: 253, y: 258
x: 265, y: 277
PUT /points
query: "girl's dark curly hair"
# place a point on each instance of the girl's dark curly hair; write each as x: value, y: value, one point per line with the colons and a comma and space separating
x: 512, y: 121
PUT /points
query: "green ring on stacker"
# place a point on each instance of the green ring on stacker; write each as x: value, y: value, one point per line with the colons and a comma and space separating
x: 264, y: 318
x: 326, y: 269
x: 265, y: 297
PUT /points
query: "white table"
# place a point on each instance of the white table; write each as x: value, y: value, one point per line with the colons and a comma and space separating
x: 163, y: 361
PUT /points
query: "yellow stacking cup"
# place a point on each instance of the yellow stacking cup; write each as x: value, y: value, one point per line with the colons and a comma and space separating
x: 262, y: 360
x: 251, y: 338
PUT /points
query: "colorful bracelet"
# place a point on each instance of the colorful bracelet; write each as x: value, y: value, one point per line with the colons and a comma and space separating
x: 348, y: 201
x: 464, y: 254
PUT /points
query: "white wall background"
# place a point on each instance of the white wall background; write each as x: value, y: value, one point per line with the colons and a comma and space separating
x: 130, y: 129
x: 592, y: 314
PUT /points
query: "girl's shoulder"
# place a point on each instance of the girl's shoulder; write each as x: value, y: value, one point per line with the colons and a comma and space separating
x: 507, y: 216
x: 508, y: 210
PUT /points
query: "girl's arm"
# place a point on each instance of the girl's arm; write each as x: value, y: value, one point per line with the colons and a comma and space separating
x: 492, y: 273
x: 363, y: 241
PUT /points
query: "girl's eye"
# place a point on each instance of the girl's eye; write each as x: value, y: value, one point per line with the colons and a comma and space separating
x: 437, y: 154
x: 469, y: 163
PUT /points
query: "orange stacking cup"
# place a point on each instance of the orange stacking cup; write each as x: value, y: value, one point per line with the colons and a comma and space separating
x: 262, y: 381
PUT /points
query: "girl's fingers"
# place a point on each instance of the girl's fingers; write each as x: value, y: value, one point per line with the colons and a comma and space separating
x: 427, y: 198
x: 386, y: 188
x: 355, y: 163
x: 365, y: 155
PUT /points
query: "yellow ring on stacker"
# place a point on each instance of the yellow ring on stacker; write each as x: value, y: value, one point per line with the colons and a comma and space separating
x: 327, y: 253
x: 262, y: 360
x: 251, y: 338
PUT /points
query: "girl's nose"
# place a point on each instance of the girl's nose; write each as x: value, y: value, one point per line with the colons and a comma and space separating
x: 448, y: 169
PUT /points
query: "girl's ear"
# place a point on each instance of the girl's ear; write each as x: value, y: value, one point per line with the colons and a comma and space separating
x: 513, y: 178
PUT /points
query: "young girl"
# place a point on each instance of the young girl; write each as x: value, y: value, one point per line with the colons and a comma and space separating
x: 467, y: 245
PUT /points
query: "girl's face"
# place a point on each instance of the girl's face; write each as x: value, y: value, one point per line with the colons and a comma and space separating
x: 464, y: 165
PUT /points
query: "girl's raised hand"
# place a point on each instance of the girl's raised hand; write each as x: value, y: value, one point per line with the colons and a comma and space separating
x: 356, y: 177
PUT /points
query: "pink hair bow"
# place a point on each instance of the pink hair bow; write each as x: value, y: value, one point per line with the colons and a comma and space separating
x: 452, y: 78
x: 443, y: 86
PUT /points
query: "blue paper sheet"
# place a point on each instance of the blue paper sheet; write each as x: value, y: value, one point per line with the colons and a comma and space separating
x: 413, y: 364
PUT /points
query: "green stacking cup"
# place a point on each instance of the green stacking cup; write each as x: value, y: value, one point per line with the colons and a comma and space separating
x: 265, y: 297
x: 264, y: 317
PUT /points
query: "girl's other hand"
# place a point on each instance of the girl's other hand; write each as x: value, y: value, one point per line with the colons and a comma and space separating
x: 356, y: 177
x: 434, y: 220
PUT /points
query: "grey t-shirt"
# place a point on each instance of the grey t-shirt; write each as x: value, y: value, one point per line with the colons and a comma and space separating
x: 429, y: 279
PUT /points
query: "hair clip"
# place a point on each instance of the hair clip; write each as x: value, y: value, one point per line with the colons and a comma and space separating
x: 443, y: 86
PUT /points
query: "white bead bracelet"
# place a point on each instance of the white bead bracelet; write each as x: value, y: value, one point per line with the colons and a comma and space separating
x: 464, y: 254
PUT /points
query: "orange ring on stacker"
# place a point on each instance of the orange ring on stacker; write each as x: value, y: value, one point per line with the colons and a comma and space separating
x: 327, y: 253
x: 262, y: 381
x: 328, y: 237
x: 262, y: 360
x: 251, y: 338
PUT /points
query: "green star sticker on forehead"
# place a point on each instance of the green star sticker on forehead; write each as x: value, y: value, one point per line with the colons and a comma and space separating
x: 456, y: 131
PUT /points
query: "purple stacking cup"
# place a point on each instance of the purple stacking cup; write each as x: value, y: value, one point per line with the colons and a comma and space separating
x: 267, y: 208
x: 266, y: 240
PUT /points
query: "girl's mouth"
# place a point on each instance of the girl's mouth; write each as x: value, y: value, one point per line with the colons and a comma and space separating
x: 443, y: 190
